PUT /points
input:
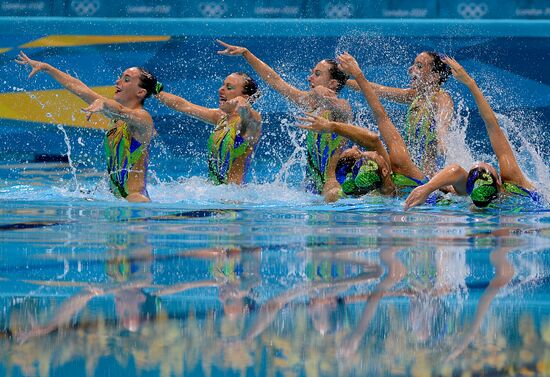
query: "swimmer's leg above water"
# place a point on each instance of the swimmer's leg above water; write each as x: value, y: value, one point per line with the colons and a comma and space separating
x: 482, y: 183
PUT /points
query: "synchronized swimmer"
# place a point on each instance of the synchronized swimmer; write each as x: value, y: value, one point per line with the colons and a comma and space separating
x: 401, y: 167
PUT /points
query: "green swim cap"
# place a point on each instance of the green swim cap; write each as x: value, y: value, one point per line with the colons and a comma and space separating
x: 367, y: 177
x: 348, y: 186
x: 481, y: 187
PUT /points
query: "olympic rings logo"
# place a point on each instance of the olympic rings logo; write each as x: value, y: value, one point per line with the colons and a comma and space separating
x: 472, y: 10
x: 85, y: 7
x: 212, y: 9
x: 339, y: 10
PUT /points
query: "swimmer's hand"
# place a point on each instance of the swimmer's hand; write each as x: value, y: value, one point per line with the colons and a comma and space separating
x: 97, y: 106
x: 34, y: 64
x: 322, y: 92
x: 458, y: 71
x: 251, y: 125
x: 417, y: 197
x: 231, y: 50
x: 235, y: 104
x: 349, y: 65
x: 315, y: 123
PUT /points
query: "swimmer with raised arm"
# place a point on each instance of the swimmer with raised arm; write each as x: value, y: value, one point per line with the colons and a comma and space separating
x: 430, y: 110
x: 237, y: 127
x: 482, y: 183
x: 390, y: 172
x: 326, y: 81
x: 130, y: 130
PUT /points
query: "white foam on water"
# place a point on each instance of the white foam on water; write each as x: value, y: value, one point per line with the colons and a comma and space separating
x: 199, y: 191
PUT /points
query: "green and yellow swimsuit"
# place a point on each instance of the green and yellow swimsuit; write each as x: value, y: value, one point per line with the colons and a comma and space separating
x: 226, y: 146
x: 127, y: 160
x: 320, y: 149
x: 421, y: 138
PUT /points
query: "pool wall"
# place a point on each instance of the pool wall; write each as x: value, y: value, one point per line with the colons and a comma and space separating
x: 507, y: 58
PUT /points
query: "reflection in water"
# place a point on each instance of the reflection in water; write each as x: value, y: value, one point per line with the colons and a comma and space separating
x: 504, y: 272
x: 328, y: 303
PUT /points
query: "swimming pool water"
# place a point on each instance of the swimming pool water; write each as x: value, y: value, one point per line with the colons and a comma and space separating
x: 352, y: 289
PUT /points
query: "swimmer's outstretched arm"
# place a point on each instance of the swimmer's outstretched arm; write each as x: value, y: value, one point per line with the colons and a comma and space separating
x: 66, y: 312
x: 358, y: 135
x: 138, y: 120
x: 509, y: 168
x: 393, y: 94
x: 452, y: 174
x: 72, y: 84
x: 266, y: 73
x: 182, y: 105
x: 399, y: 157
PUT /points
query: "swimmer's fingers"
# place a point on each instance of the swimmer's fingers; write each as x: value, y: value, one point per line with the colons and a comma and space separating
x: 348, y: 64
x: 226, y: 45
x: 230, y: 49
x: 457, y: 70
x: 23, y: 59
x: 88, y: 114
x: 415, y: 198
x: 34, y: 71
x: 309, y: 118
x: 455, y: 66
x: 94, y: 107
x: 306, y: 127
x: 314, y: 123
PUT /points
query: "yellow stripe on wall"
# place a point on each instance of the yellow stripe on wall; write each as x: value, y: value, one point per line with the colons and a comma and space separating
x: 81, y: 40
x: 53, y: 107
x: 2, y: 50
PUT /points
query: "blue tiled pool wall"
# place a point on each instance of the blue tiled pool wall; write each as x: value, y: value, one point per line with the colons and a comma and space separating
x: 329, y: 9
x: 509, y: 68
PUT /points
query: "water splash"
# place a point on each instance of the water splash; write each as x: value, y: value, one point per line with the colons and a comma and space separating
x: 298, y: 157
x: 528, y: 153
x: 69, y: 158
x: 458, y: 150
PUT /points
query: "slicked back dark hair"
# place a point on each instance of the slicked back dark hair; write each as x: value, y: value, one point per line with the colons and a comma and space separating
x: 439, y: 66
x: 250, y: 88
x: 337, y: 74
x: 147, y: 81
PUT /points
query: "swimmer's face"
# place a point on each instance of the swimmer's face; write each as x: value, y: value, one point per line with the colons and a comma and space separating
x: 232, y: 87
x: 127, y: 87
x: 421, y: 72
x: 320, y: 76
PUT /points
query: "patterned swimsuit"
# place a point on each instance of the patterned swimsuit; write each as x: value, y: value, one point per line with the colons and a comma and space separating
x: 421, y: 138
x: 225, y: 145
x: 320, y: 149
x: 123, y: 154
